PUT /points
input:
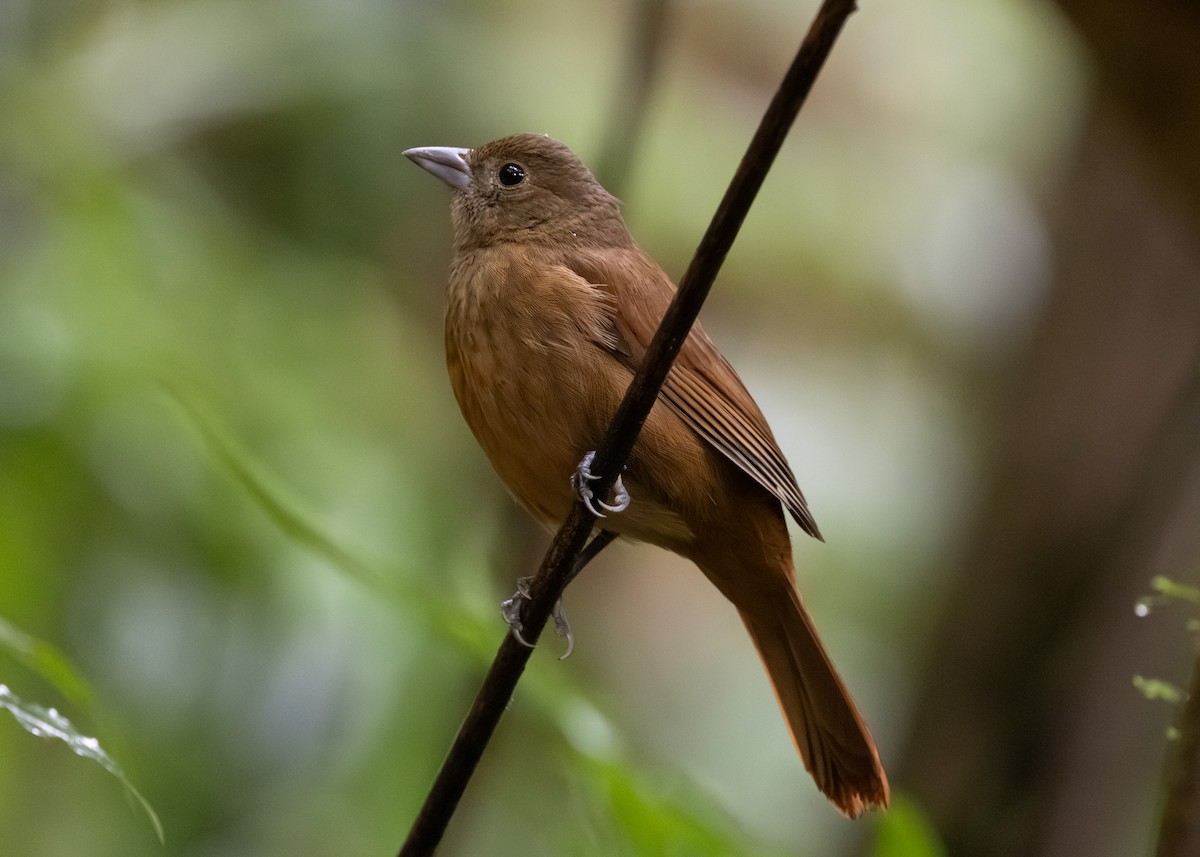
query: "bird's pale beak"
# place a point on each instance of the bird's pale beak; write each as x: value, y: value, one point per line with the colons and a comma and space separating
x: 448, y: 164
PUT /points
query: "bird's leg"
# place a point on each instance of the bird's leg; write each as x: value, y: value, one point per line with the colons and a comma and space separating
x: 579, y: 482
x: 510, y: 609
x: 599, y: 542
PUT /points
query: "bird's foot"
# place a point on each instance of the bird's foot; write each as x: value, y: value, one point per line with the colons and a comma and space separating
x: 579, y: 482
x: 510, y: 610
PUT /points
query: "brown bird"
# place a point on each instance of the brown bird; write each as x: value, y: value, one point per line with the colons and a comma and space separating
x: 551, y: 306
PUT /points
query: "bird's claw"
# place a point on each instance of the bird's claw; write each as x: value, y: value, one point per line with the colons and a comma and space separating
x: 579, y: 481
x: 510, y: 611
x: 562, y: 628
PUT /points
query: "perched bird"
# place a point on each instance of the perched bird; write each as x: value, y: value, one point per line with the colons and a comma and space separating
x: 551, y: 306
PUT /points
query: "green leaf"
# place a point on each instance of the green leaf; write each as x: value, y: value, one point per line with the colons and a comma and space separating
x: 1166, y: 590
x: 48, y: 662
x: 270, y: 500
x: 48, y: 723
x: 1170, y: 589
x: 1153, y: 688
x: 906, y: 831
x: 441, y: 615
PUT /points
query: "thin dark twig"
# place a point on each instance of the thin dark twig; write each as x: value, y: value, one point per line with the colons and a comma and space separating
x: 556, y: 567
x: 598, y: 543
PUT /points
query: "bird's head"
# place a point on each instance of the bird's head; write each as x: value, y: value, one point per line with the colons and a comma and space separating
x: 524, y: 188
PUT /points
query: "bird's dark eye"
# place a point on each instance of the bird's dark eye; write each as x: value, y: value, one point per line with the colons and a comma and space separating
x: 511, y: 174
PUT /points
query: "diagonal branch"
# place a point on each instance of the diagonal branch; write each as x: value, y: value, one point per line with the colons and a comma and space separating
x: 559, y: 562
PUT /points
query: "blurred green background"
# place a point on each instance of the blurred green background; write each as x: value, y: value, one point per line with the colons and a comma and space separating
x: 236, y: 493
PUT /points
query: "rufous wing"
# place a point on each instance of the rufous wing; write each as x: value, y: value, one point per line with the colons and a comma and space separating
x: 701, y: 387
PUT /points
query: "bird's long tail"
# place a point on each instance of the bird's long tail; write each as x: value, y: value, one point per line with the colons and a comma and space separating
x: 829, y: 732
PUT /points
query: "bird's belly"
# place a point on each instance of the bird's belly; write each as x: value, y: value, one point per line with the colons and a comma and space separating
x: 523, y: 403
x: 536, y: 408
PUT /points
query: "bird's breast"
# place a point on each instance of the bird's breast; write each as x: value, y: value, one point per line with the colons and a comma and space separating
x: 529, y: 349
x: 525, y: 376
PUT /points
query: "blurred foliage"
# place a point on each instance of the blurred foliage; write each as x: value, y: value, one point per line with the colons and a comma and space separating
x: 48, y: 662
x: 1167, y: 592
x: 1153, y: 688
x: 235, y: 490
x: 906, y: 832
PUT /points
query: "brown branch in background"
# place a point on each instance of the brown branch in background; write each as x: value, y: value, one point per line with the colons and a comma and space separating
x: 557, y: 567
x: 1094, y: 488
x: 1179, y: 832
x: 638, y: 72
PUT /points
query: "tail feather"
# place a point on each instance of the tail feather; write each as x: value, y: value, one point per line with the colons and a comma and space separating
x: 830, y: 734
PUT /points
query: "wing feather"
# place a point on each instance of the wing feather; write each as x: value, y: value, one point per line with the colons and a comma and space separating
x: 702, y: 388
